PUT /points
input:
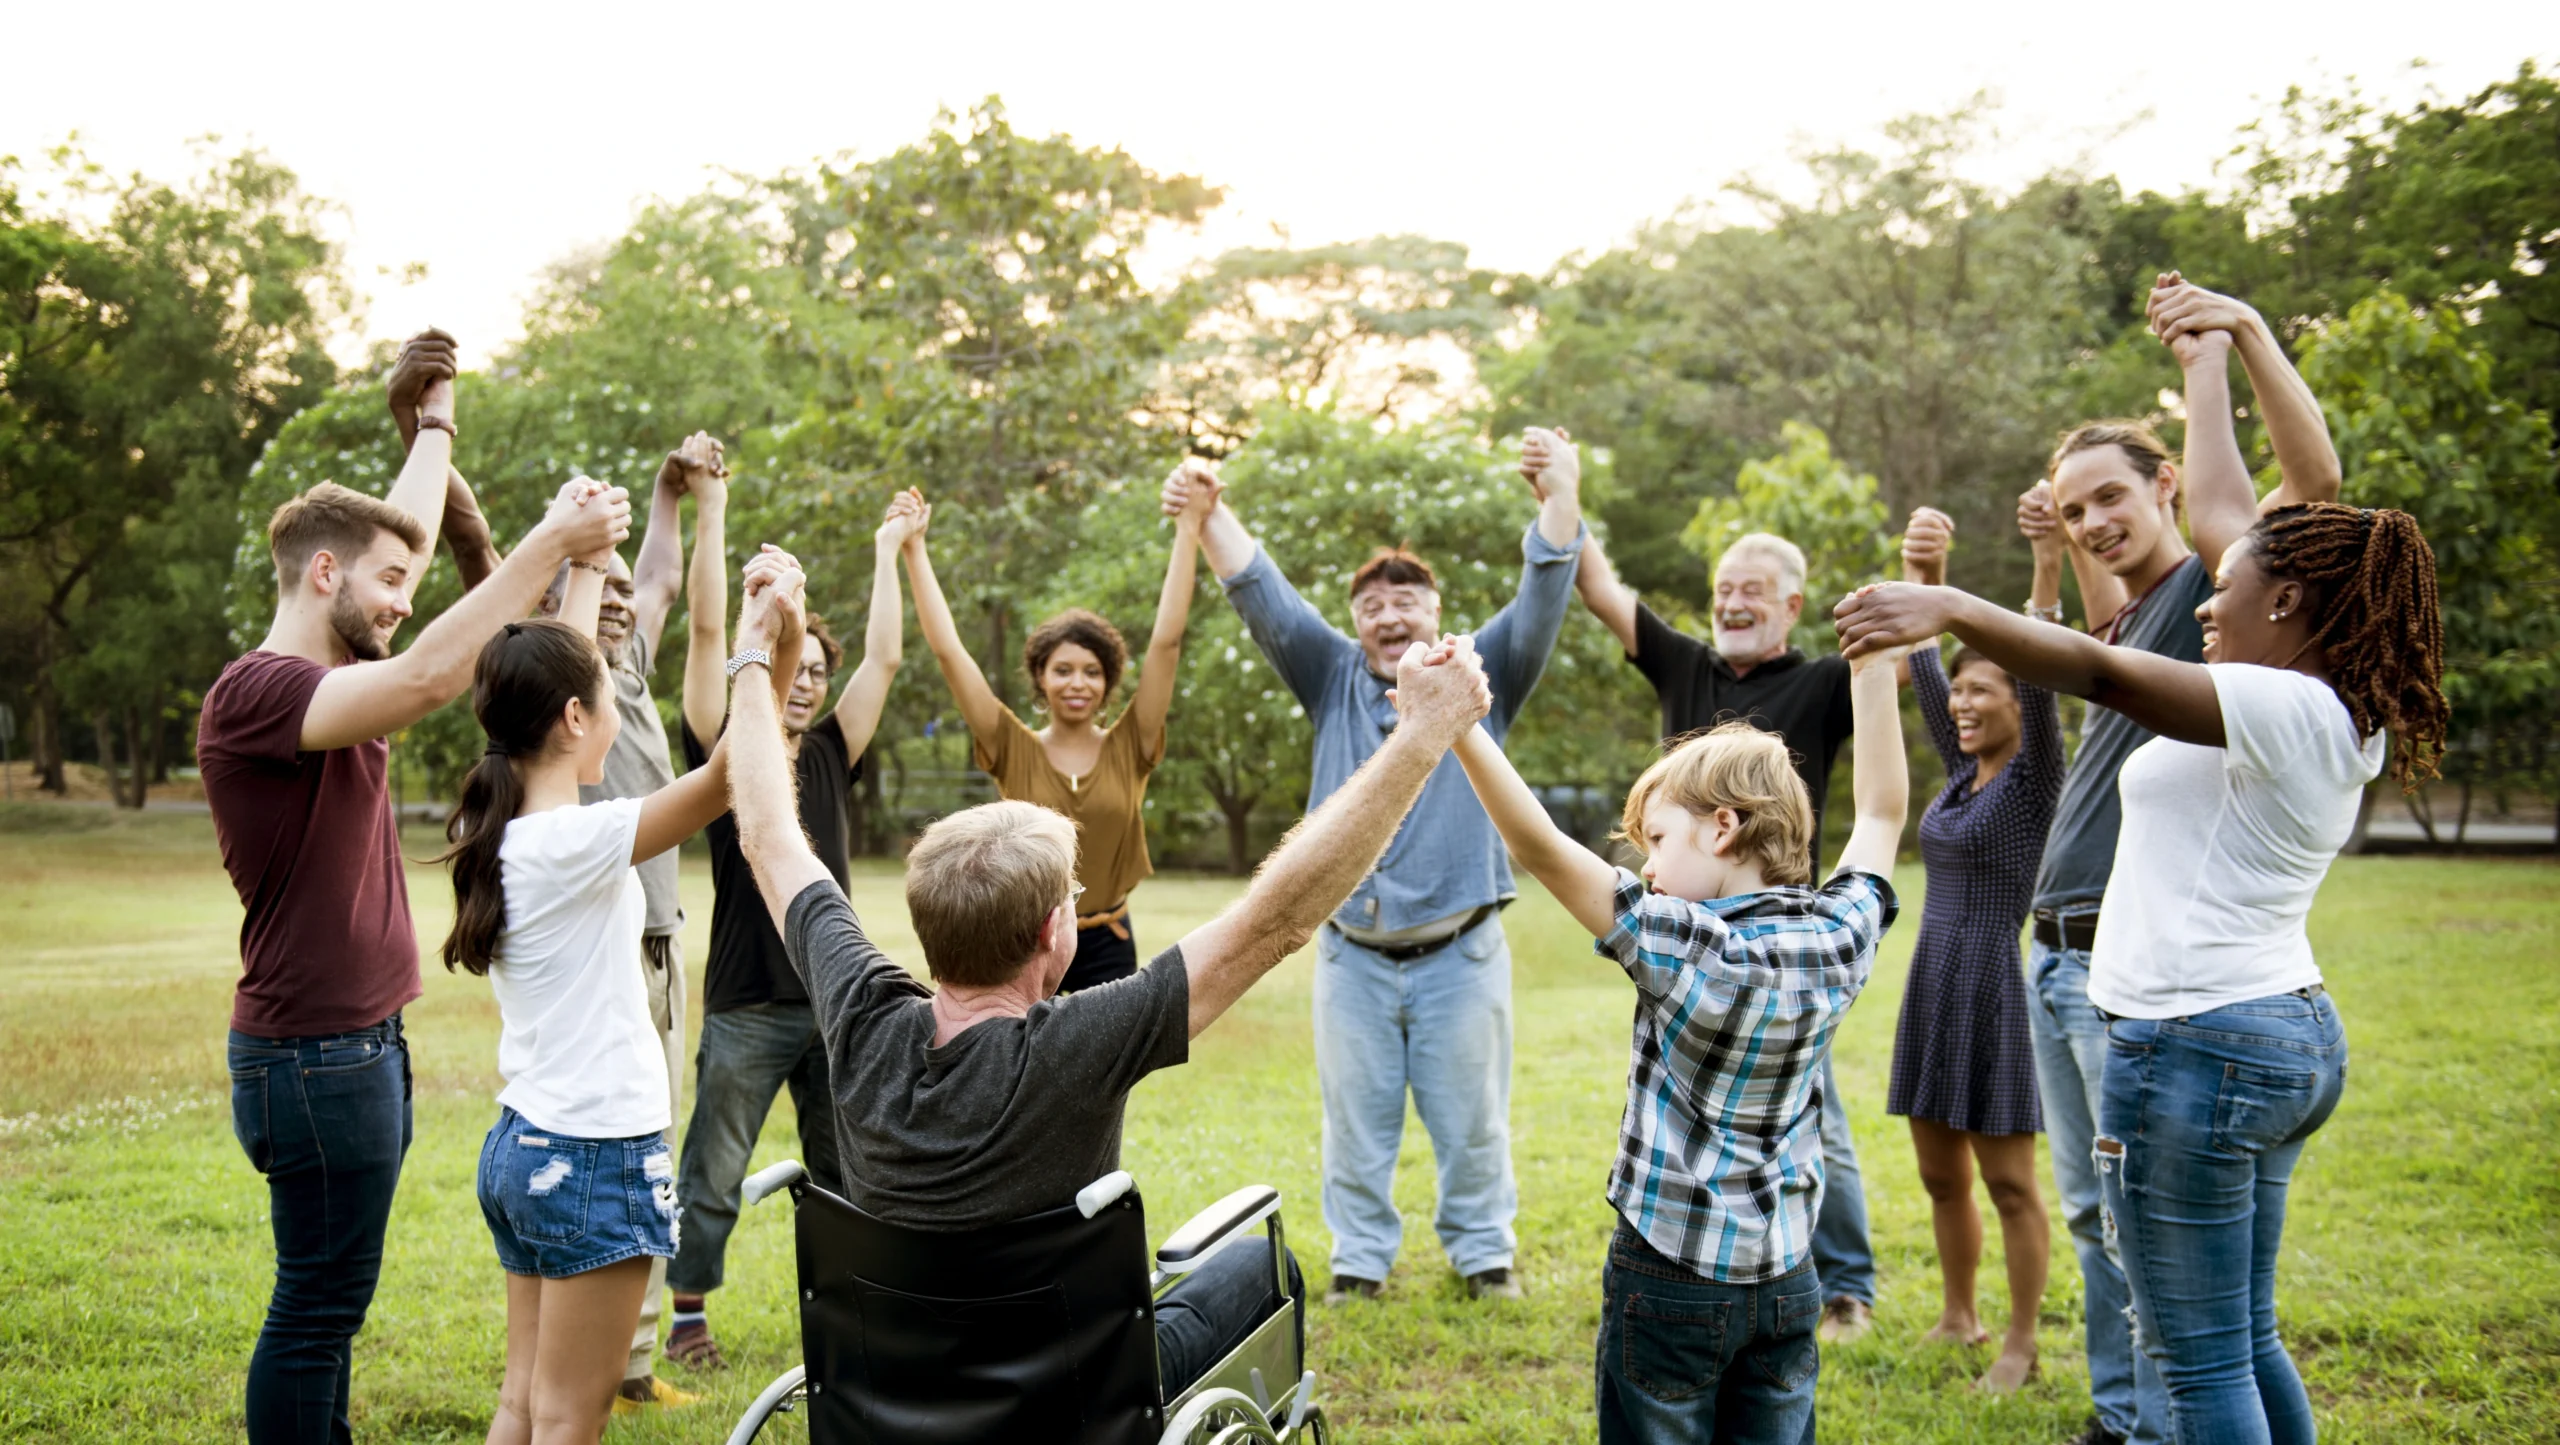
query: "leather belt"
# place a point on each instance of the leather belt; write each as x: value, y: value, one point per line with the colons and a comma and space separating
x: 2067, y: 930
x: 1115, y: 919
x: 1408, y: 952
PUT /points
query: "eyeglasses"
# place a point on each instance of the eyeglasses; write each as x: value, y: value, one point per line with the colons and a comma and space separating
x: 1074, y: 892
x: 813, y: 672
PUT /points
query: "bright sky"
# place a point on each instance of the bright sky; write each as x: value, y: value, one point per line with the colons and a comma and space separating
x: 489, y: 140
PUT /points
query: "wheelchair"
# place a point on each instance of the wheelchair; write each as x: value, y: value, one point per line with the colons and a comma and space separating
x: 1041, y: 1329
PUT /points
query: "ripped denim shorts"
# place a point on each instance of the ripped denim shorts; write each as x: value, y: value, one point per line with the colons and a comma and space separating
x: 559, y: 1206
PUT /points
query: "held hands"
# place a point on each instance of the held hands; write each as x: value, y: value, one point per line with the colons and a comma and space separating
x: 1883, y: 620
x: 2040, y: 523
x: 588, y: 519
x: 421, y: 379
x: 1192, y: 492
x: 773, y: 611
x: 1549, y: 462
x: 697, y: 467
x: 2197, y: 325
x: 1441, y: 690
x: 1925, y: 543
x: 908, y: 516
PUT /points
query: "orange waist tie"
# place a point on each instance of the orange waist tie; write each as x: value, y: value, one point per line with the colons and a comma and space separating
x: 1115, y: 919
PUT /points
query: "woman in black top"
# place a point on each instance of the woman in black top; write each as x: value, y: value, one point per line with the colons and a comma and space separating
x: 1963, y: 1066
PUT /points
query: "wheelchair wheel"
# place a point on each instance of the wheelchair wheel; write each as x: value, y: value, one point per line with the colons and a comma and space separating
x: 1219, y: 1417
x: 778, y: 1407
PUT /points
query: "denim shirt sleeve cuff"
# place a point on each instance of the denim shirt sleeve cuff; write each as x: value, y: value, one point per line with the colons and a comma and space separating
x: 1535, y: 548
x: 1259, y: 569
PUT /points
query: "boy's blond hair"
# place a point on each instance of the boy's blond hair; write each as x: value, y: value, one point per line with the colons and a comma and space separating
x: 1735, y: 766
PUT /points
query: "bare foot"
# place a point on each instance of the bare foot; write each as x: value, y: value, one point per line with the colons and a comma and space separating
x: 1961, y: 1330
x: 2013, y: 1369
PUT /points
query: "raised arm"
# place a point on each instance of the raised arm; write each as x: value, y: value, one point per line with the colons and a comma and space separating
x: 658, y: 577
x: 1926, y: 540
x: 1306, y: 878
x: 2102, y: 593
x: 1545, y: 454
x: 1881, y: 785
x: 1580, y: 879
x: 763, y: 785
x: 420, y: 393
x: 1517, y: 640
x: 376, y: 699
x: 2171, y: 698
x: 467, y: 534
x: 706, y: 592
x: 884, y: 635
x: 1302, y: 648
x: 980, y: 708
x: 2306, y: 460
x: 1163, y: 666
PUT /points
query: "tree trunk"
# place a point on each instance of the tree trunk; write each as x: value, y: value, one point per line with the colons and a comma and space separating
x: 2425, y: 816
x: 2462, y: 820
x: 138, y: 762
x: 999, y: 662
x: 106, y: 736
x: 1238, y: 808
x: 45, y: 747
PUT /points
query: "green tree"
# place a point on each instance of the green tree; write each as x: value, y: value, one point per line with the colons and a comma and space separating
x: 145, y: 359
x: 2422, y: 425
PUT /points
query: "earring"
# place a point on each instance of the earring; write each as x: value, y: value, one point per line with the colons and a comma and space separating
x: 2275, y: 617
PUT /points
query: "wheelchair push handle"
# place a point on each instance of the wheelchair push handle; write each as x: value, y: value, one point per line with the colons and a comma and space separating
x: 773, y: 1179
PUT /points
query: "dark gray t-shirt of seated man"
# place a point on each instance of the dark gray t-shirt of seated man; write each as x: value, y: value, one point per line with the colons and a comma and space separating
x: 1009, y: 1119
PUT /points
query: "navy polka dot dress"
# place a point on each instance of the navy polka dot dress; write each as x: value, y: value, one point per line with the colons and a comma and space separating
x: 1961, y: 1055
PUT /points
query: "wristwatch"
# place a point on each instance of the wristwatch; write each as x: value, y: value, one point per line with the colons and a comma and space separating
x: 437, y: 423
x: 750, y: 657
x: 2041, y: 614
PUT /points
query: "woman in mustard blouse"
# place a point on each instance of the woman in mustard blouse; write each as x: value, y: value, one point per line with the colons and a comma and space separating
x: 1077, y: 765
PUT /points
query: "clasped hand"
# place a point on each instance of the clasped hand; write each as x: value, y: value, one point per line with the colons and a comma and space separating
x: 1442, y: 689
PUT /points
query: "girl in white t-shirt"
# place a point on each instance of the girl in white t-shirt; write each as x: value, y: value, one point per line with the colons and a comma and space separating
x: 2323, y: 650
x: 577, y: 1182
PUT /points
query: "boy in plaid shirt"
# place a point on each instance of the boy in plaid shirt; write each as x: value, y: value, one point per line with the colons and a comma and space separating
x: 1742, y: 970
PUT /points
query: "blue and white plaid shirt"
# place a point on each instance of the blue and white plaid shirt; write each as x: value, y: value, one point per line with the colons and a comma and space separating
x: 1720, y: 1152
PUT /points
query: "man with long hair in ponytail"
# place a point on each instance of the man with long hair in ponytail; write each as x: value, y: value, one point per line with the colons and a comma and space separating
x: 2322, y: 657
x: 577, y: 1180
x: 293, y: 744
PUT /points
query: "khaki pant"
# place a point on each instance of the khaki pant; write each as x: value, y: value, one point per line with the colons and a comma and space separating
x: 666, y: 1010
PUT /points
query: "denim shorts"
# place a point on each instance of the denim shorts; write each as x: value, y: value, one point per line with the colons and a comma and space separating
x: 559, y: 1206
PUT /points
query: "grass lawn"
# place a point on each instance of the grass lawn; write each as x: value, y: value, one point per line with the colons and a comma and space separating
x: 2421, y: 1285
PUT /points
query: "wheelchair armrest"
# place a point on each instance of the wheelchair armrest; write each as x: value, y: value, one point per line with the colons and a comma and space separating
x: 773, y: 1179
x: 1213, y: 1228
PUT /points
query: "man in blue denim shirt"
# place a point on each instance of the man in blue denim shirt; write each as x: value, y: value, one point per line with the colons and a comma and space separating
x: 1413, y: 983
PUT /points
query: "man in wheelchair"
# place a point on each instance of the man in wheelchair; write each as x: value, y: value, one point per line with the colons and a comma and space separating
x: 986, y: 1099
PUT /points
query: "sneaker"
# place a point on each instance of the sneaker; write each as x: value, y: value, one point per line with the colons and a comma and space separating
x: 1845, y: 1320
x: 638, y: 1395
x: 1348, y: 1287
x: 1494, y: 1283
x: 2095, y: 1433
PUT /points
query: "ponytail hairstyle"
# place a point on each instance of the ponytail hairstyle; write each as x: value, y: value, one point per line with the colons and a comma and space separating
x: 2372, y: 580
x: 523, y: 682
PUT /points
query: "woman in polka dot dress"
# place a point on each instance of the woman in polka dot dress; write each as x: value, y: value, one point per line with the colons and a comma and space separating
x: 1963, y: 1066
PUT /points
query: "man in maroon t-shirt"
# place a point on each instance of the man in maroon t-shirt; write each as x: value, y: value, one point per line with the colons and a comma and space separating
x: 293, y: 744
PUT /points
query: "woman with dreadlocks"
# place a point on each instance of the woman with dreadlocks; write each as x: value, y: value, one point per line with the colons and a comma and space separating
x: 2323, y: 654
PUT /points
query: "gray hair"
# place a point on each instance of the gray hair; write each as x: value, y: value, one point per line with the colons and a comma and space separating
x: 1770, y: 547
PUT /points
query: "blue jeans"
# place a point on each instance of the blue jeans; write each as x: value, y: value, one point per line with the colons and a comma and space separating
x: 2070, y: 1038
x: 1683, y: 1358
x: 747, y: 1056
x: 558, y: 1206
x: 1439, y: 1025
x: 1210, y: 1311
x: 2200, y: 1124
x: 1842, y: 1256
x: 327, y: 1120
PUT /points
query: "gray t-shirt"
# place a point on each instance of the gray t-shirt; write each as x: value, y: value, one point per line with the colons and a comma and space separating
x: 636, y: 766
x: 2081, y: 849
x: 1009, y: 1119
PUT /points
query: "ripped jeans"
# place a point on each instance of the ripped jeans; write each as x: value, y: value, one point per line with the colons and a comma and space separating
x: 558, y: 1206
x: 2200, y: 1122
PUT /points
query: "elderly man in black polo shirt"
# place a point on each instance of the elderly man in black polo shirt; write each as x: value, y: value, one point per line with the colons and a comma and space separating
x: 1749, y: 672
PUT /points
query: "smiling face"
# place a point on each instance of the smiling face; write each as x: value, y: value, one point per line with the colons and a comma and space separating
x: 614, y: 614
x: 1755, y: 607
x: 2112, y: 510
x: 2252, y: 616
x: 1073, y: 683
x: 368, y: 598
x: 1393, y: 616
x: 808, y: 687
x: 1984, y: 705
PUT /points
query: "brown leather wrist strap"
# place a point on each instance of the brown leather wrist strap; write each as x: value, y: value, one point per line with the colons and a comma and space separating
x: 437, y: 423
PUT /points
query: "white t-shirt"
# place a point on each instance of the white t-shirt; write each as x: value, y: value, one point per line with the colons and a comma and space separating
x: 2223, y: 849
x: 576, y: 1045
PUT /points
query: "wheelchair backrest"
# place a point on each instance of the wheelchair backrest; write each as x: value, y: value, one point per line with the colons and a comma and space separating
x: 1040, y: 1329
